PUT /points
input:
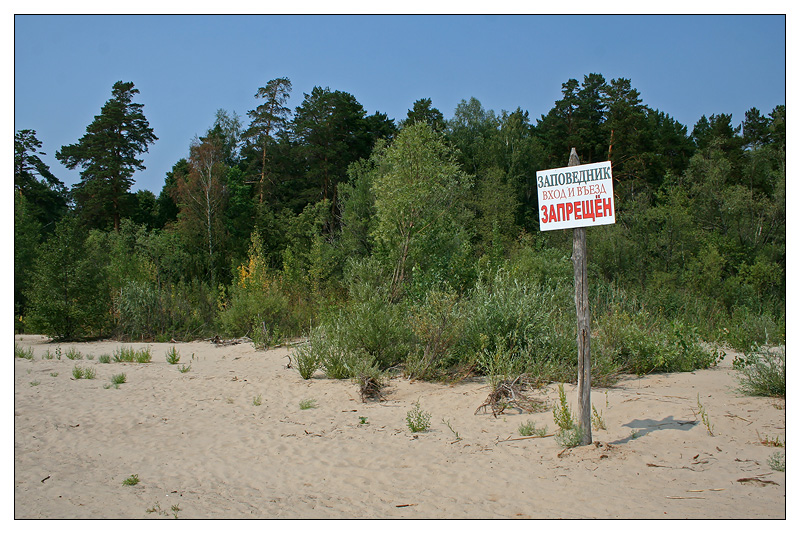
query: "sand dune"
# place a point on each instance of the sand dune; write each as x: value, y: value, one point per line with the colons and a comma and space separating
x: 198, y: 442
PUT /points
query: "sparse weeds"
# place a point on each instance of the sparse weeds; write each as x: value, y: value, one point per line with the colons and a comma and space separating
x: 417, y: 419
x: 257, y: 400
x: 25, y: 354
x: 704, y: 417
x: 184, y: 368
x: 35, y: 383
x: 455, y: 433
x: 598, y: 423
x: 307, y: 404
x: 131, y: 480
x: 104, y: 358
x: 528, y: 428
x: 73, y: 354
x: 771, y: 442
x: 78, y: 372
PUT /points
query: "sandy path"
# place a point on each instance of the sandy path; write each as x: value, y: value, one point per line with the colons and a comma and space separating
x: 197, y: 441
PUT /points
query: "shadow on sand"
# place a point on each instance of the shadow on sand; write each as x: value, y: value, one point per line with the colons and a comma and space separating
x: 642, y: 427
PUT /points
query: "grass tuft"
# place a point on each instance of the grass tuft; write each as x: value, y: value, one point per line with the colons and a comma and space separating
x: 307, y: 404
x: 25, y: 354
x: 173, y: 356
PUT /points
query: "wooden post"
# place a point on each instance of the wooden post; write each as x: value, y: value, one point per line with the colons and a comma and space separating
x: 584, y: 334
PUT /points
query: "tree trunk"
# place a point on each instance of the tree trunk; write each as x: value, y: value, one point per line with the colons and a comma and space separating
x: 583, y: 323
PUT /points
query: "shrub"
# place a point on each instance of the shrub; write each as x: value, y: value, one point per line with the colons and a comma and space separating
x: 762, y: 372
x: 435, y: 324
x: 68, y: 293
x: 530, y: 323
x: 418, y: 420
x: 777, y: 462
x: 257, y: 305
x: 640, y: 344
x: 140, y: 309
x: 305, y: 359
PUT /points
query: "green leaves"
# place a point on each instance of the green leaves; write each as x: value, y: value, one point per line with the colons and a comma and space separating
x: 107, y: 153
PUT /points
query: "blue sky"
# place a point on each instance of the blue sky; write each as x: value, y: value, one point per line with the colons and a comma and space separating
x: 187, y: 67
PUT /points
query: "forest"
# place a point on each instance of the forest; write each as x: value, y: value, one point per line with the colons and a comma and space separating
x: 411, y: 245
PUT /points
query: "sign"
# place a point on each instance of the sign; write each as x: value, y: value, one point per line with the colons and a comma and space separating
x: 575, y: 197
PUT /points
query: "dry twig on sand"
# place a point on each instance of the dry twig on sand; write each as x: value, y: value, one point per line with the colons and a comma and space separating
x: 509, y: 394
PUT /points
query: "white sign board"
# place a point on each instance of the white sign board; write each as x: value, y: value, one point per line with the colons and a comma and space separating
x: 574, y: 197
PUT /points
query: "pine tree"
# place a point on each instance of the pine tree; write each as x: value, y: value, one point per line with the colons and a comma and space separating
x: 107, y: 153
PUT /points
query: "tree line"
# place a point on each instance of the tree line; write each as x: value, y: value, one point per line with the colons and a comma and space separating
x: 271, y: 224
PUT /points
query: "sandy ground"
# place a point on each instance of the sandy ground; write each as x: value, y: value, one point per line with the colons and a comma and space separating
x: 202, y: 448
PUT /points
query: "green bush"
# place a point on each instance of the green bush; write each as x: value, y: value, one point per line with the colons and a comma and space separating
x: 532, y: 323
x: 763, y: 372
x: 305, y: 359
x: 639, y: 344
x: 67, y: 294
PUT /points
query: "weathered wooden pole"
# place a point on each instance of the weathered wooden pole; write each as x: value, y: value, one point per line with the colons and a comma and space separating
x: 584, y: 334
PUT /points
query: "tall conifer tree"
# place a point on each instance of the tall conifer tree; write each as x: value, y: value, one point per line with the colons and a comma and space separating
x: 108, y: 154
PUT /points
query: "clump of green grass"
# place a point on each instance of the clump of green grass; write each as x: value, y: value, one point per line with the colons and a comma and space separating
x: 777, y: 462
x: 307, y: 404
x: 119, y: 379
x: 143, y: 355
x: 104, y: 358
x: 762, y: 373
x: 35, y: 383
x: 131, y: 480
x: 129, y: 355
x: 184, y: 368
x: 79, y: 372
x: 257, y: 400
x: 124, y: 354
x: 25, y: 354
x: 73, y: 354
x: 54, y: 374
x: 528, y: 428
x: 173, y: 356
x: 305, y: 360
x: 418, y: 420
x: 47, y: 355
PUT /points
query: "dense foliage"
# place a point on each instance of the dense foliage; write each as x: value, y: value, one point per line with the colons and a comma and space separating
x: 412, y: 244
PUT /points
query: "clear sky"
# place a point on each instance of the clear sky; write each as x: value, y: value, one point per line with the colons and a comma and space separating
x: 187, y: 67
